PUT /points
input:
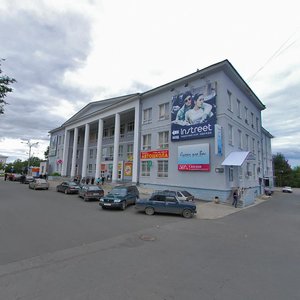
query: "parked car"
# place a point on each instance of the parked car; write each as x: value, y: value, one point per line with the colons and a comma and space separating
x: 268, y: 191
x: 164, y: 202
x: 89, y: 192
x: 287, y: 189
x: 68, y: 187
x: 39, y: 184
x: 182, y: 195
x: 120, y: 197
x: 14, y: 177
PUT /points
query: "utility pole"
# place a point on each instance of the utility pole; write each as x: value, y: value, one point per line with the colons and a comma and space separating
x: 30, y: 145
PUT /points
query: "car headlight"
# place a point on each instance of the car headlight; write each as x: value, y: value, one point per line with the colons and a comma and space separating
x: 101, y: 200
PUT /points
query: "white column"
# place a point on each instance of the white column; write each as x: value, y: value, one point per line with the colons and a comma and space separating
x: 136, y: 144
x: 65, y: 153
x: 99, y: 148
x: 116, y: 148
x: 74, y: 154
x: 85, y: 149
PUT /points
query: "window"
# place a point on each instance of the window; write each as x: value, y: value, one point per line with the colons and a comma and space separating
x: 111, y: 152
x: 130, y: 127
x: 257, y: 127
x: 105, y: 132
x: 230, y: 174
x: 246, y: 115
x: 91, y: 153
x: 247, y: 142
x: 122, y: 130
x: 240, y: 138
x: 164, y: 111
x: 163, y: 166
x: 145, y: 168
x: 253, y: 145
x: 230, y: 134
x: 147, y: 118
x: 111, y: 131
x: 130, y: 152
x: 146, y: 142
x: 238, y: 103
x: 258, y: 151
x: 77, y: 154
x: 121, y: 151
x: 254, y: 171
x: 59, y: 140
x: 163, y: 140
x: 229, y: 101
x: 252, y: 120
x: 90, y: 168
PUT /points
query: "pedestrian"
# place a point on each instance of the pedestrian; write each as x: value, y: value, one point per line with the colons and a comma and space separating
x: 87, y: 180
x: 98, y: 181
x: 102, y: 179
x: 235, y: 198
x: 92, y: 180
x: 5, y: 176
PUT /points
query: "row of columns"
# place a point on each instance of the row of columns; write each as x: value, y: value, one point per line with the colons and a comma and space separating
x: 99, y: 149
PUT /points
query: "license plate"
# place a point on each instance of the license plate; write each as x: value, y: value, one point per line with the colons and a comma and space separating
x: 95, y: 194
x: 107, y: 204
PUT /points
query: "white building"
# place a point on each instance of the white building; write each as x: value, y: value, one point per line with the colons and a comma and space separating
x: 211, y: 147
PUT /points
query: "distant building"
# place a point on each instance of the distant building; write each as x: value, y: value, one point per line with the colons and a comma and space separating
x: 201, y: 133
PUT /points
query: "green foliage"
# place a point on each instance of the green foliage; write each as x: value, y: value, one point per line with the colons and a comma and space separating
x: 19, y: 166
x: 55, y: 174
x: 46, y: 153
x: 284, y: 174
x: 5, y: 81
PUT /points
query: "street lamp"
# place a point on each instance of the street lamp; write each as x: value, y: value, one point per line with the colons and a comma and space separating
x: 30, y: 145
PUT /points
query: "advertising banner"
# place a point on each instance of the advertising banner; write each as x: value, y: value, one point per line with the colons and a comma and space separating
x: 128, y: 168
x: 193, y: 113
x: 194, y: 158
x: 218, y: 140
x: 155, y: 154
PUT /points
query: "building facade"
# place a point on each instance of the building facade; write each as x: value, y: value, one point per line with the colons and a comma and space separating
x: 201, y: 133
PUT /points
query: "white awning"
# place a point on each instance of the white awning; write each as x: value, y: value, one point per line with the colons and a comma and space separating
x: 235, y: 158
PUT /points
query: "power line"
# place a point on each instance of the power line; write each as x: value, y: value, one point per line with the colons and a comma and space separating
x: 277, y: 53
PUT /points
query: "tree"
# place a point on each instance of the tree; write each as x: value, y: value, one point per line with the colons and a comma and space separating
x: 5, y: 81
x: 46, y: 153
x: 282, y: 170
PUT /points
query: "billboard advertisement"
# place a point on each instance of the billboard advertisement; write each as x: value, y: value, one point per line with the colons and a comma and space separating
x: 193, y: 114
x: 155, y: 154
x: 193, y: 158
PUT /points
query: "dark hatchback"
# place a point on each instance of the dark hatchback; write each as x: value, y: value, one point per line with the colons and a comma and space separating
x: 120, y: 197
x: 68, y: 187
x: 90, y: 192
x: 165, y: 202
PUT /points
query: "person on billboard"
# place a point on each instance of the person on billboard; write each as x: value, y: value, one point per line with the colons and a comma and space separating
x: 200, y: 112
x: 187, y: 105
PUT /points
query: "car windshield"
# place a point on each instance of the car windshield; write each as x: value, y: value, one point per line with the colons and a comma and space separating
x: 41, y: 180
x: 186, y: 194
x: 118, y: 191
x: 72, y: 184
x: 93, y: 188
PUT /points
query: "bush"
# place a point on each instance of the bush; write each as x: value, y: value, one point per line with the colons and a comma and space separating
x: 55, y: 174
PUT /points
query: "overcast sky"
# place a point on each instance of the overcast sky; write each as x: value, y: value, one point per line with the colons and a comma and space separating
x: 65, y: 54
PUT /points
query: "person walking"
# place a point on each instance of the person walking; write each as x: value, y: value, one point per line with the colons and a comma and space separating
x: 102, y: 179
x: 235, y: 198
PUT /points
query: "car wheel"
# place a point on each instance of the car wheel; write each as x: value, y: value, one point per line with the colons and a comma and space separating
x: 123, y: 207
x: 85, y: 199
x: 136, y: 199
x: 149, y: 211
x: 187, y: 213
x: 66, y: 191
x: 57, y: 189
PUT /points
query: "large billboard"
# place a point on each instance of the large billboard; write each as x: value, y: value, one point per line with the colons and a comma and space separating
x: 193, y: 158
x: 193, y: 113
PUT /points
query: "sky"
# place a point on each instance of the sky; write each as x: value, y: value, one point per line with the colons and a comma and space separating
x: 65, y: 54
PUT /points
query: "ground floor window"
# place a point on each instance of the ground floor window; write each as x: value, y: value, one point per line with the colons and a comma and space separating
x: 145, y: 168
x: 163, y: 168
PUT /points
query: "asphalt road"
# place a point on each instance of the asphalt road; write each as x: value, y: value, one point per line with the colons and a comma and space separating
x: 56, y: 246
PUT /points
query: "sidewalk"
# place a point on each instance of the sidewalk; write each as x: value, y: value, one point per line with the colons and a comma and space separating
x: 205, y: 210
x: 211, y: 210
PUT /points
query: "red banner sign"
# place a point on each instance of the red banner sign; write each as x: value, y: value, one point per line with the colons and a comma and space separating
x: 155, y: 154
